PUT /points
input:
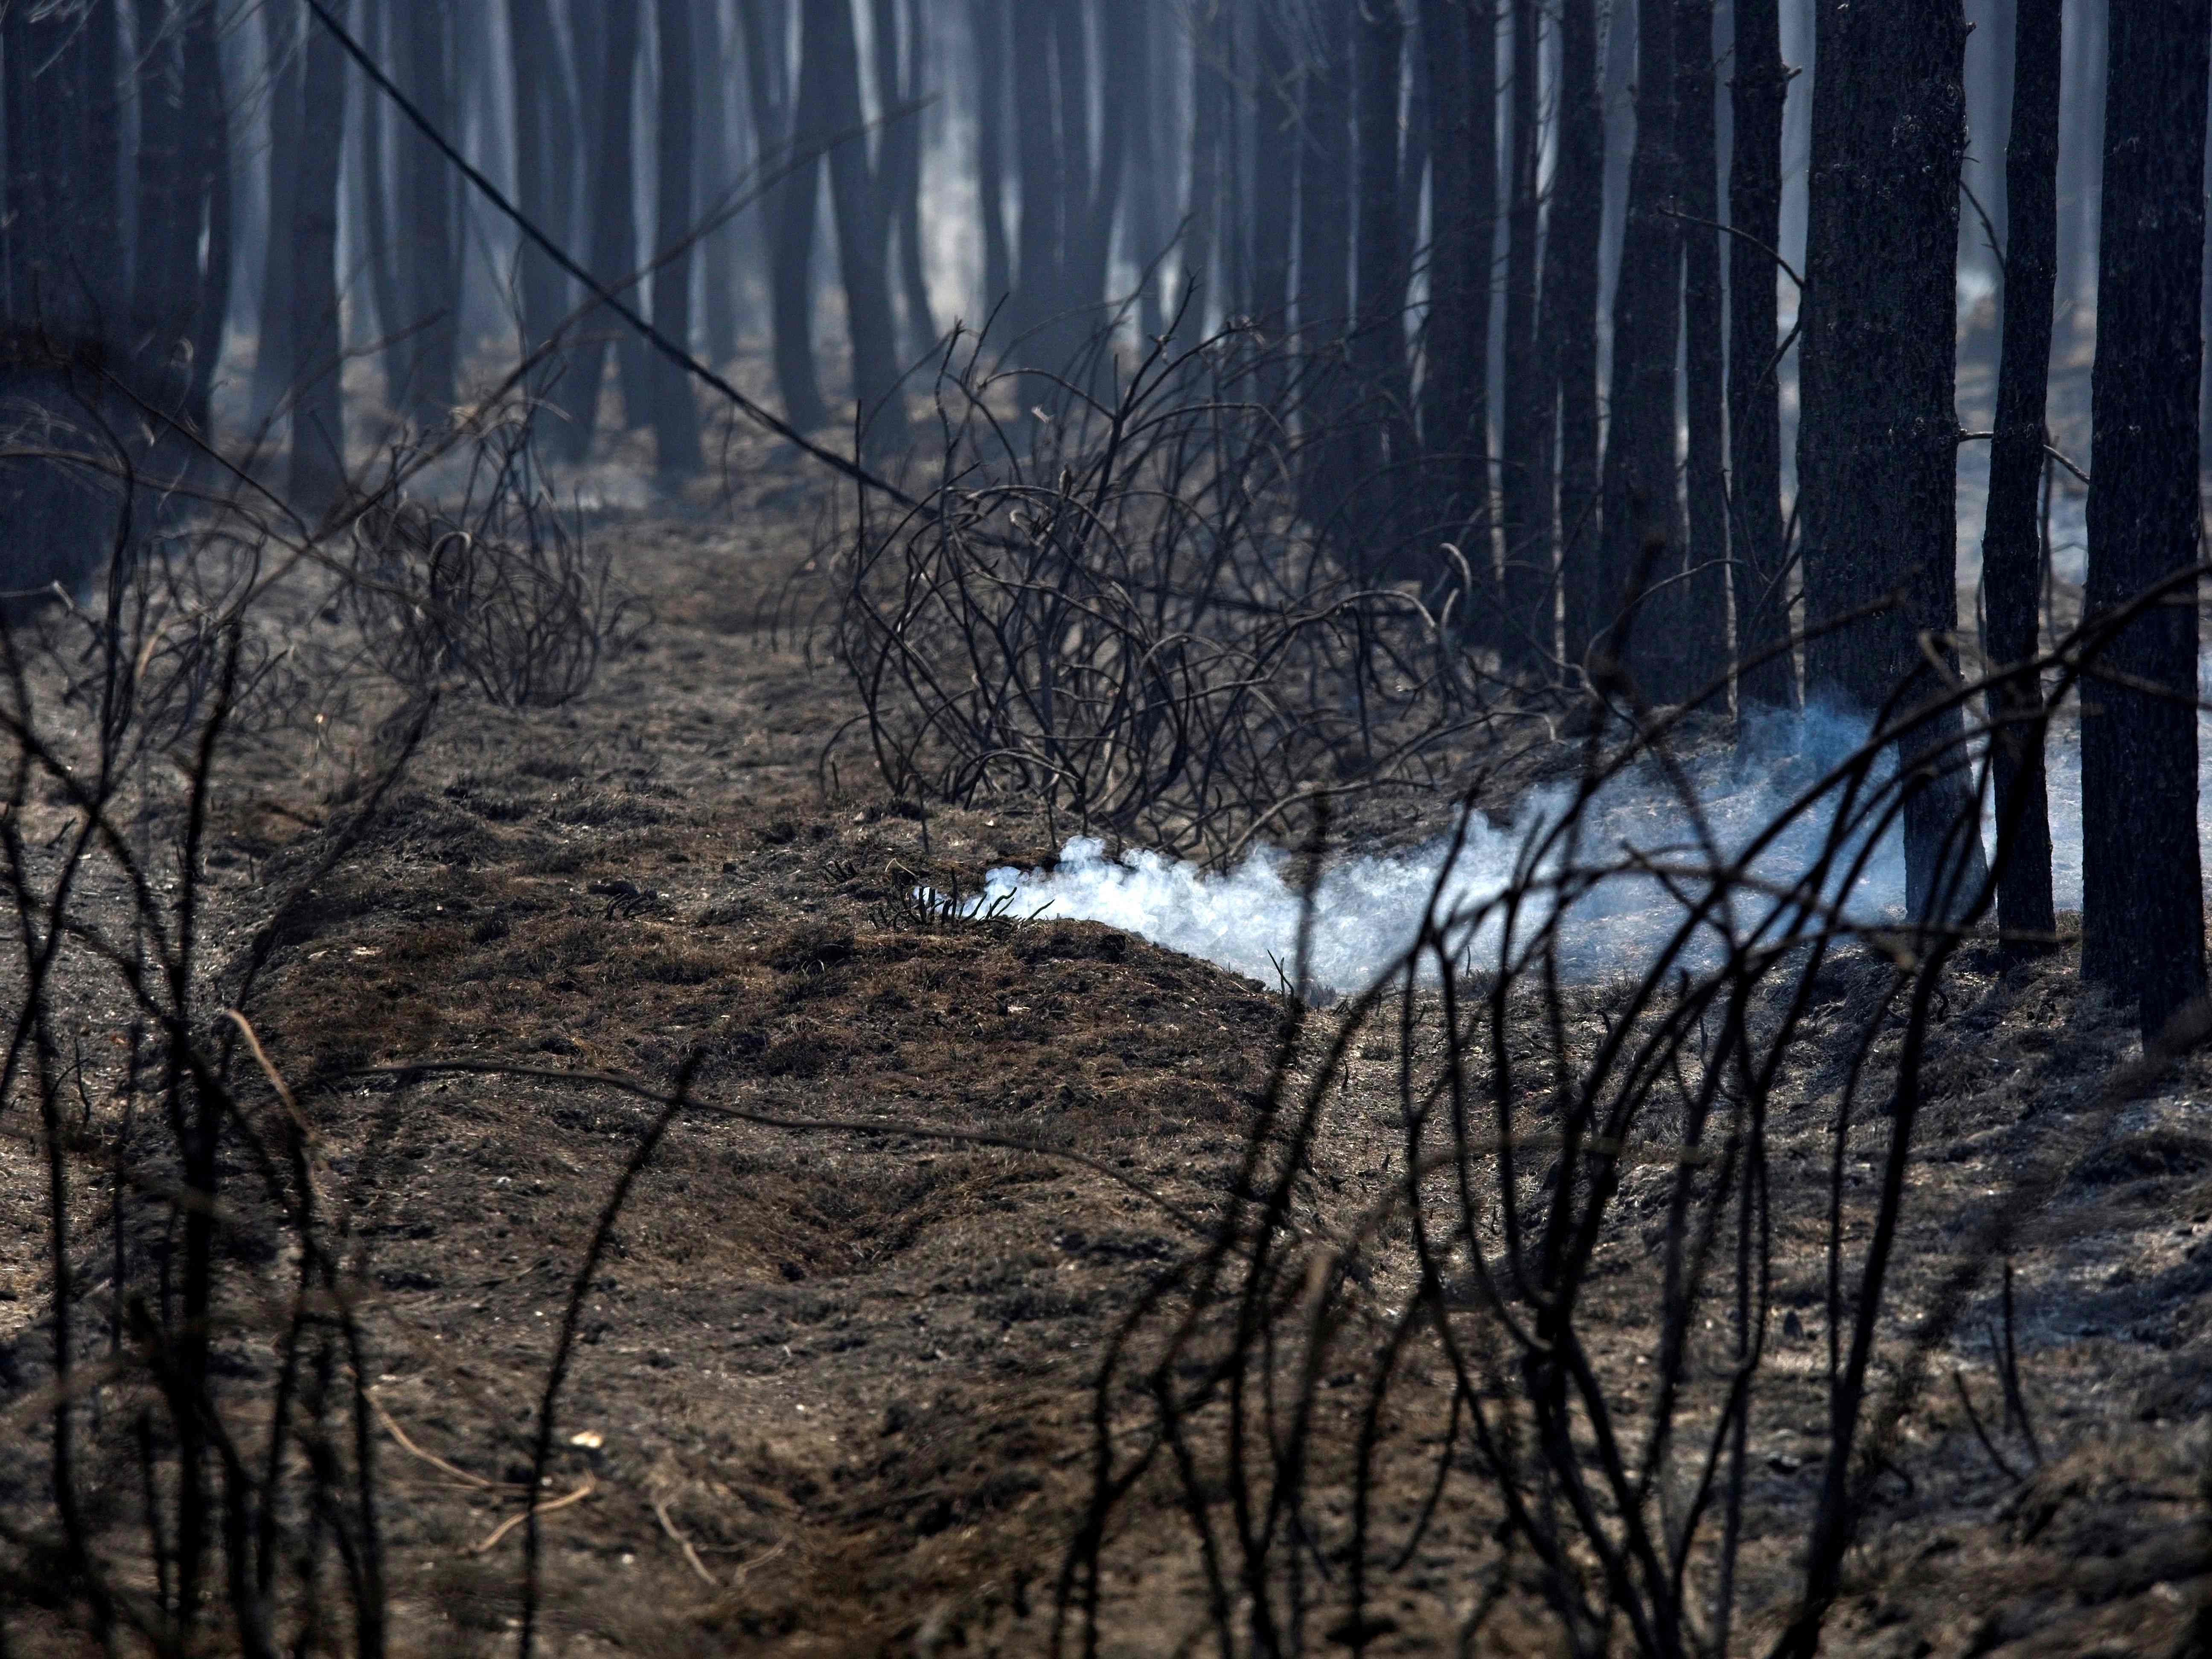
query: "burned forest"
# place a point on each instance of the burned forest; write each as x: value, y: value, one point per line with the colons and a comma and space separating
x: 1105, y: 829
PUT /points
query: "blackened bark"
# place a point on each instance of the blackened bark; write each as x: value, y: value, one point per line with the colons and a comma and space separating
x: 208, y: 125
x: 430, y: 244
x: 1039, y: 164
x: 1571, y: 302
x: 170, y: 200
x: 1523, y: 468
x: 1877, y: 444
x: 272, y: 354
x: 538, y: 158
x: 1275, y: 184
x: 718, y: 285
x: 2143, y: 899
x: 1209, y: 92
x: 828, y: 35
x: 675, y: 413
x: 376, y: 120
x: 1641, y: 536
x: 2011, y: 544
x: 317, y: 471
x: 1700, y: 656
x: 1769, y: 674
x: 1324, y: 260
x: 100, y: 207
x: 1122, y: 85
x: 1382, y: 428
x: 789, y: 143
x: 610, y: 40
x: 987, y: 23
x: 903, y: 157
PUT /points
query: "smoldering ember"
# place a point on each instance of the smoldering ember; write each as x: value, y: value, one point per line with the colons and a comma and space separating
x: 1095, y: 828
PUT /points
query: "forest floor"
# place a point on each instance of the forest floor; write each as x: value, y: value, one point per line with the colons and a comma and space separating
x: 831, y: 1393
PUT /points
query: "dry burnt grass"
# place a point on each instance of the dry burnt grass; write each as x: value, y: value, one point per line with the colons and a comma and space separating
x: 832, y: 1389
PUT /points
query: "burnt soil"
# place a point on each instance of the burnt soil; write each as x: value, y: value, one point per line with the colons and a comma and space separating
x: 831, y: 1392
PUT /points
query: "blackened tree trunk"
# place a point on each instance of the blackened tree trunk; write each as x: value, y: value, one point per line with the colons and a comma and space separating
x: 789, y: 142
x: 539, y: 158
x: 1324, y: 261
x: 675, y: 413
x: 2011, y: 545
x: 1700, y: 656
x: 1382, y: 427
x: 375, y: 219
x: 1039, y: 294
x: 1121, y: 85
x: 718, y: 164
x: 901, y: 81
x: 99, y: 210
x: 208, y: 125
x: 1641, y: 536
x: 429, y: 243
x: 1209, y: 113
x: 317, y: 472
x: 1571, y: 302
x: 1523, y: 466
x: 272, y: 352
x: 828, y: 35
x: 170, y: 202
x: 611, y: 41
x: 1768, y: 676
x: 1275, y: 185
x: 2142, y: 898
x: 986, y: 24
x: 1877, y: 444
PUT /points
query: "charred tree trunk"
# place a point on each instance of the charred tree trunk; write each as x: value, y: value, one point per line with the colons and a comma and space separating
x: 2011, y: 544
x: 675, y: 413
x: 208, y: 125
x: 1768, y: 672
x: 2143, y: 899
x: 1039, y: 294
x: 318, y: 473
x: 1122, y: 84
x: 272, y: 352
x: 429, y: 242
x: 790, y: 142
x: 1383, y: 426
x: 394, y: 347
x: 1275, y: 184
x: 1700, y: 656
x: 1877, y: 446
x: 539, y: 159
x: 718, y: 161
x: 170, y: 201
x: 827, y: 36
x: 1642, y: 537
x: 1528, y: 550
x: 1571, y: 291
x: 1324, y: 266
x: 898, y: 92
x: 987, y: 23
x: 1209, y: 96
x: 608, y: 38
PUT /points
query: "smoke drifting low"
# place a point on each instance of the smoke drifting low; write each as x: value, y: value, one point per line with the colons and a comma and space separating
x: 1367, y: 909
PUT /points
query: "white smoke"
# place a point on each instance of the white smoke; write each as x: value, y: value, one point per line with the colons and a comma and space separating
x: 1367, y: 909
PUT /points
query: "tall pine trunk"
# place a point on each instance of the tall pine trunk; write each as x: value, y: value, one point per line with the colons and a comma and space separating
x: 1768, y: 672
x: 828, y: 36
x: 2011, y: 553
x: 986, y: 24
x: 539, y: 159
x: 1324, y: 266
x: 607, y: 37
x: 1641, y: 536
x: 675, y: 411
x: 2143, y: 894
x: 208, y: 124
x: 428, y: 245
x: 1522, y: 468
x: 1381, y: 426
x: 1275, y: 182
x: 789, y: 142
x: 1700, y: 654
x: 1571, y: 291
x: 1877, y: 444
x: 272, y: 354
x: 317, y: 472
